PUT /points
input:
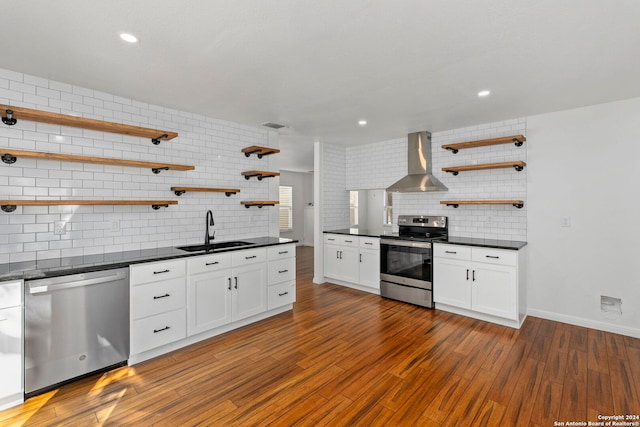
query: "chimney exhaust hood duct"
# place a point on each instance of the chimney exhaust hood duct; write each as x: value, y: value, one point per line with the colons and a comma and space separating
x: 419, y: 177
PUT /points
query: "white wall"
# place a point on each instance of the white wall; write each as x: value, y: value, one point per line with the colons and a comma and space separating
x: 378, y: 165
x: 583, y: 164
x: 301, y: 182
x: 335, y: 197
x: 212, y: 146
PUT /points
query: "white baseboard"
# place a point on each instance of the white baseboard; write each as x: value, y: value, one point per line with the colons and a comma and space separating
x: 587, y: 323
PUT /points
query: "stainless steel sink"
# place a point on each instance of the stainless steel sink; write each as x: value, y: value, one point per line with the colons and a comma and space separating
x: 214, y: 246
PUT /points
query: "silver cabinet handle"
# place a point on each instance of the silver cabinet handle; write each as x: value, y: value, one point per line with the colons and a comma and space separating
x: 348, y: 241
x: 368, y: 243
x: 331, y: 239
x: 4, y: 320
x: 161, y: 296
x: 166, y: 328
x: 212, y: 263
x: 160, y: 272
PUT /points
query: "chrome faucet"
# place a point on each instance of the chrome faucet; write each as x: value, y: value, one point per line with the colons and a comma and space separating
x: 209, y: 222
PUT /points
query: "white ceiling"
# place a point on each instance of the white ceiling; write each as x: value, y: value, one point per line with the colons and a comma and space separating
x: 320, y: 66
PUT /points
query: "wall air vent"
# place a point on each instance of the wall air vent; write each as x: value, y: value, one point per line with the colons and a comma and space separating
x: 274, y: 125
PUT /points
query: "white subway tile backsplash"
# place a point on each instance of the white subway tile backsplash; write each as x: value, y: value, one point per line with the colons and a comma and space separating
x: 212, y: 145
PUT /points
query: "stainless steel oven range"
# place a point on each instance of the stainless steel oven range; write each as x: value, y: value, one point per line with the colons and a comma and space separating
x: 406, y: 268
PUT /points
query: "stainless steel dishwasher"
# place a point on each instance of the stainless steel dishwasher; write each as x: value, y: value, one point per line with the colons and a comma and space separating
x: 75, y: 325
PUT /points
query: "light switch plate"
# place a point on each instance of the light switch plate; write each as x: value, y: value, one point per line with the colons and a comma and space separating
x: 565, y: 221
x: 59, y: 228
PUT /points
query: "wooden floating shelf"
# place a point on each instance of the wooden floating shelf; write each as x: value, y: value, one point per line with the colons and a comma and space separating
x: 455, y: 203
x: 518, y: 140
x: 227, y: 191
x: 259, y: 174
x: 11, y: 114
x: 10, y: 205
x: 259, y: 151
x: 456, y: 169
x: 259, y: 203
x: 10, y: 156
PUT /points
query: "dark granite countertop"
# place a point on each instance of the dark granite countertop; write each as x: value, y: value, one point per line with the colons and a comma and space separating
x: 84, y: 264
x: 469, y: 241
x: 486, y: 243
x: 355, y: 231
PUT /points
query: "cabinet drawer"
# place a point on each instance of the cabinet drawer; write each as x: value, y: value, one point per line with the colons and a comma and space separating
x: 341, y: 239
x: 249, y: 256
x: 494, y: 256
x: 282, y: 270
x: 153, y: 272
x: 281, y: 294
x: 452, y: 251
x: 159, y: 330
x: 10, y: 294
x: 155, y: 298
x: 281, y: 251
x: 369, y: 242
x: 202, y: 264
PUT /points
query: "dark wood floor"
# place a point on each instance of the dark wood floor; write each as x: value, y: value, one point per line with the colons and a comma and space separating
x: 344, y: 358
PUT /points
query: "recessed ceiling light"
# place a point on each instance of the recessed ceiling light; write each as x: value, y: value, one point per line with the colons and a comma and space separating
x: 362, y: 122
x: 484, y: 93
x: 129, y: 38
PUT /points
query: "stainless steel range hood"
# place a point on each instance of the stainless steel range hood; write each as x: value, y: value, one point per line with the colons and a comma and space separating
x: 419, y: 176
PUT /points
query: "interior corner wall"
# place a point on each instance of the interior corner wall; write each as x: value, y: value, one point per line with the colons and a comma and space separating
x: 335, y: 197
x: 583, y: 168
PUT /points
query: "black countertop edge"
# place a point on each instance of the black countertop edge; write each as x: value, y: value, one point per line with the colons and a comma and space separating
x: 53, y: 267
x: 355, y: 232
x: 469, y: 241
x: 486, y: 243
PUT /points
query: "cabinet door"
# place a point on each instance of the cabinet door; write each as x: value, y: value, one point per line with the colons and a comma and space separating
x: 494, y: 290
x: 349, y: 264
x: 370, y: 268
x: 10, y: 351
x: 452, y: 282
x: 249, y: 290
x: 332, y: 261
x: 209, y: 301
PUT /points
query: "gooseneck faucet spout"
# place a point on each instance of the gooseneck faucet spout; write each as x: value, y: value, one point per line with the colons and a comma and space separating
x: 209, y: 222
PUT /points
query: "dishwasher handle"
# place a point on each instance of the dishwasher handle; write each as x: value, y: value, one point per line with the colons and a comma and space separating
x: 35, y: 288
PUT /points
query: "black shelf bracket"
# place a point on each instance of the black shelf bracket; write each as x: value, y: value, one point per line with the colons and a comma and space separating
x: 259, y: 176
x: 454, y: 173
x: 179, y: 192
x: 157, y: 170
x: 258, y: 205
x: 9, y: 158
x: 518, y: 205
x: 156, y: 207
x: 453, y: 150
x: 249, y: 153
x: 8, y: 208
x: 156, y: 141
x: 9, y: 120
x: 518, y: 168
x: 229, y: 193
x: 518, y: 142
x: 453, y: 205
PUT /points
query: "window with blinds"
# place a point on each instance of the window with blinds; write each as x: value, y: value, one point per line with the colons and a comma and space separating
x: 286, y: 208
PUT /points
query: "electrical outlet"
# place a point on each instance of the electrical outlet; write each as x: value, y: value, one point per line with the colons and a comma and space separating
x: 565, y: 221
x: 59, y: 228
x: 114, y: 225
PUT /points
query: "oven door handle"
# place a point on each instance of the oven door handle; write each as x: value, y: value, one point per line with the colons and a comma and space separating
x: 406, y: 243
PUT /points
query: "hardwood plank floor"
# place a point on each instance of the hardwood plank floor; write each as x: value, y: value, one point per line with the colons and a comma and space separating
x: 343, y: 358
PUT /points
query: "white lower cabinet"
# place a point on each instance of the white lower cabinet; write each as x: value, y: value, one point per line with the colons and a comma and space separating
x: 157, y: 304
x: 282, y: 276
x: 225, y: 288
x: 482, y: 281
x: 353, y: 260
x: 11, y: 346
